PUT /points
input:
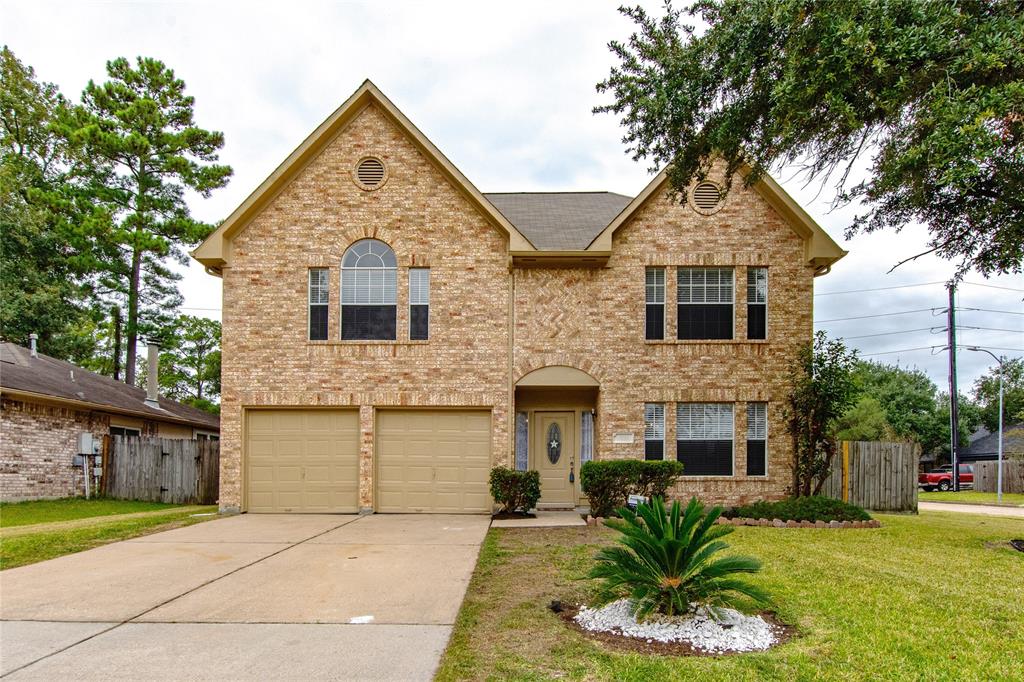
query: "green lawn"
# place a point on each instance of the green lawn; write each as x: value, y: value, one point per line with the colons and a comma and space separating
x: 68, y: 509
x: 28, y: 547
x: 935, y: 596
x: 971, y: 497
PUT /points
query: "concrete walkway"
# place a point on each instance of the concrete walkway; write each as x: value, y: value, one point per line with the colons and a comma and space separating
x: 984, y: 509
x: 248, y: 597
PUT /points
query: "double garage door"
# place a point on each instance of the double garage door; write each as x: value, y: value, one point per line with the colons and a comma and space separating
x: 425, y: 461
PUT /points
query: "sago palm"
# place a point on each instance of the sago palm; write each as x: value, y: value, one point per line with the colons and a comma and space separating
x: 667, y: 562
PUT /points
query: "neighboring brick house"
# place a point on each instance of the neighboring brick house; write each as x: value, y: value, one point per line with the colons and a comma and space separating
x: 45, y: 404
x: 390, y: 333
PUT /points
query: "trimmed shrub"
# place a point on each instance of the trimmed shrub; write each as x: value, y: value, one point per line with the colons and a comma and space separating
x: 609, y: 484
x: 815, y: 508
x: 515, y: 490
x: 657, y: 477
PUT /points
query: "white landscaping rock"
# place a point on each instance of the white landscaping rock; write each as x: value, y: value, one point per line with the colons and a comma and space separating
x: 699, y: 629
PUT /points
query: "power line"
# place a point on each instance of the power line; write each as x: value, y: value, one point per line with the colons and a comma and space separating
x: 858, y: 291
x: 864, y: 317
x: 905, y: 331
x: 904, y: 350
x: 992, y: 286
x: 986, y: 310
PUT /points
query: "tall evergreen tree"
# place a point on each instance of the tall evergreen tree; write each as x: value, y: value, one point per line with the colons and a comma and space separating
x: 139, y: 132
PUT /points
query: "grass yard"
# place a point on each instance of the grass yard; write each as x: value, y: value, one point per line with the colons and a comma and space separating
x: 69, y: 509
x: 20, y: 545
x: 971, y: 497
x: 935, y: 596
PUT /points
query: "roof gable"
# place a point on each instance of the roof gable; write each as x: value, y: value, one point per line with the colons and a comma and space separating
x: 821, y: 251
x: 215, y: 251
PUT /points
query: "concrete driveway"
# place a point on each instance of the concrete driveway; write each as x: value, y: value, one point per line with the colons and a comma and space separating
x: 246, y: 597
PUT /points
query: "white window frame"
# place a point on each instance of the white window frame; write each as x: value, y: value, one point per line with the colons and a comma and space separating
x: 323, y: 289
x: 704, y: 288
x: 753, y: 269
x: 651, y: 414
x: 753, y: 427
x: 354, y: 269
x: 656, y: 289
x: 708, y: 433
x: 420, y: 295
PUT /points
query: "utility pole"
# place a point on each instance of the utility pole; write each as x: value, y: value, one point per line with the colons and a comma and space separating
x: 954, y: 417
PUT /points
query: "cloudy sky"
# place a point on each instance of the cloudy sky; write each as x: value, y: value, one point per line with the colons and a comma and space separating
x: 505, y: 90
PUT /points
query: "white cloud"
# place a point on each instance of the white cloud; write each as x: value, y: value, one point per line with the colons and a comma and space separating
x: 504, y: 90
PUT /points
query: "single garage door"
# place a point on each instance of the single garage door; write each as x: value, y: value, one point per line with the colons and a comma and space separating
x: 302, y: 460
x: 433, y: 461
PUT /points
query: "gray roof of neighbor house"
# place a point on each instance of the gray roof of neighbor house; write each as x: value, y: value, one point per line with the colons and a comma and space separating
x: 987, y: 446
x: 563, y: 221
x: 58, y: 380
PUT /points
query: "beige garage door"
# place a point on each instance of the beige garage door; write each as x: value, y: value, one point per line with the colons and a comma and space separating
x: 433, y: 461
x: 302, y: 460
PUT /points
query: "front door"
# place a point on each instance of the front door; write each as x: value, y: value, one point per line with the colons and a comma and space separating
x: 554, y: 439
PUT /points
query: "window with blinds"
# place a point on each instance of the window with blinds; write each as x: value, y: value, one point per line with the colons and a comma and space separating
x: 655, y: 286
x: 704, y: 298
x: 654, y: 431
x: 368, y: 291
x: 319, y: 297
x: 704, y: 438
x: 757, y: 303
x: 419, y: 304
x: 757, y: 439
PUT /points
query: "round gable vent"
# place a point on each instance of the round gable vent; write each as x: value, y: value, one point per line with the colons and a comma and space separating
x: 706, y: 197
x: 370, y: 173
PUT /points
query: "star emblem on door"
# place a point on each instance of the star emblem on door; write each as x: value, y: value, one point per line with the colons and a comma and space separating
x: 554, y: 443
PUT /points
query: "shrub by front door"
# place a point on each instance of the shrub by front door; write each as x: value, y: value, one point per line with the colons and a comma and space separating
x: 554, y: 456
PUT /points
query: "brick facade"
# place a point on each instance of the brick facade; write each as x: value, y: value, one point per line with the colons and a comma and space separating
x: 37, y: 447
x: 589, y: 319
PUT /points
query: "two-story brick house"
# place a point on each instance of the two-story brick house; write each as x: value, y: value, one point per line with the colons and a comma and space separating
x: 390, y: 333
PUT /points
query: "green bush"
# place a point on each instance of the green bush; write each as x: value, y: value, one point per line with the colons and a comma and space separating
x: 666, y: 561
x: 816, y: 508
x: 515, y: 490
x: 609, y: 484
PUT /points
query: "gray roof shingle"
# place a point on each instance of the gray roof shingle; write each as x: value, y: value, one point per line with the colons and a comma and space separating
x: 559, y: 221
x: 47, y: 376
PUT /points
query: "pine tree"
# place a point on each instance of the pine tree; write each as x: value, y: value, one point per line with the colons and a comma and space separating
x: 139, y: 133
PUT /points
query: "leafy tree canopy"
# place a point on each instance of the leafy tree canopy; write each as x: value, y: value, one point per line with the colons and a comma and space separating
x: 189, y: 362
x: 933, y: 92
x: 986, y: 392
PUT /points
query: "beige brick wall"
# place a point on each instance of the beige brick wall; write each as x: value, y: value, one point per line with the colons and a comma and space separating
x: 267, y: 358
x: 594, y: 320
x: 590, y: 319
x: 37, y: 446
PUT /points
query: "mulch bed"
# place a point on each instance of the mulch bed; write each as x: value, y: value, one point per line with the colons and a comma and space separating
x: 501, y: 516
x: 655, y: 648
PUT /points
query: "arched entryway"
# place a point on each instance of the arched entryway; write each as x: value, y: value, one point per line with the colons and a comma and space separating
x: 556, y: 413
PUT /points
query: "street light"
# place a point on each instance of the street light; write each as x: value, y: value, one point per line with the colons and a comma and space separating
x: 999, y: 448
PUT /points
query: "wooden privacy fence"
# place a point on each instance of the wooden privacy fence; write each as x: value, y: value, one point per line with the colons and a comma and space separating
x: 875, y: 475
x: 162, y: 470
x: 986, y: 473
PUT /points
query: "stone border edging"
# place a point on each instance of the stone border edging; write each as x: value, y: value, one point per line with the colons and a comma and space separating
x: 779, y: 523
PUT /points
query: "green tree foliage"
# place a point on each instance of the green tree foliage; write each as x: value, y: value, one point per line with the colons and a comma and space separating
x: 666, y: 561
x: 969, y: 417
x: 47, y: 228
x: 146, y: 151
x: 822, y: 390
x: 865, y: 420
x: 986, y: 393
x: 189, y: 362
x: 932, y: 92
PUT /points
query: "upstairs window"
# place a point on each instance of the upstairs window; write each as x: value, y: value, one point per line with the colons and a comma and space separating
x: 318, y: 300
x: 654, y: 431
x: 419, y: 304
x: 705, y: 302
x: 368, y: 292
x: 655, y: 325
x: 704, y: 438
x: 757, y: 439
x: 757, y: 303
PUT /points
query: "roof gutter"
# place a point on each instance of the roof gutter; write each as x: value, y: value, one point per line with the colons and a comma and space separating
x: 99, y: 407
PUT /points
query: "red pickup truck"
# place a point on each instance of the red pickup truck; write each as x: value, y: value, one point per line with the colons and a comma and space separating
x: 942, y: 478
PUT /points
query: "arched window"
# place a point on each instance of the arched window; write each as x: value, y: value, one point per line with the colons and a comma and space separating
x: 368, y: 289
